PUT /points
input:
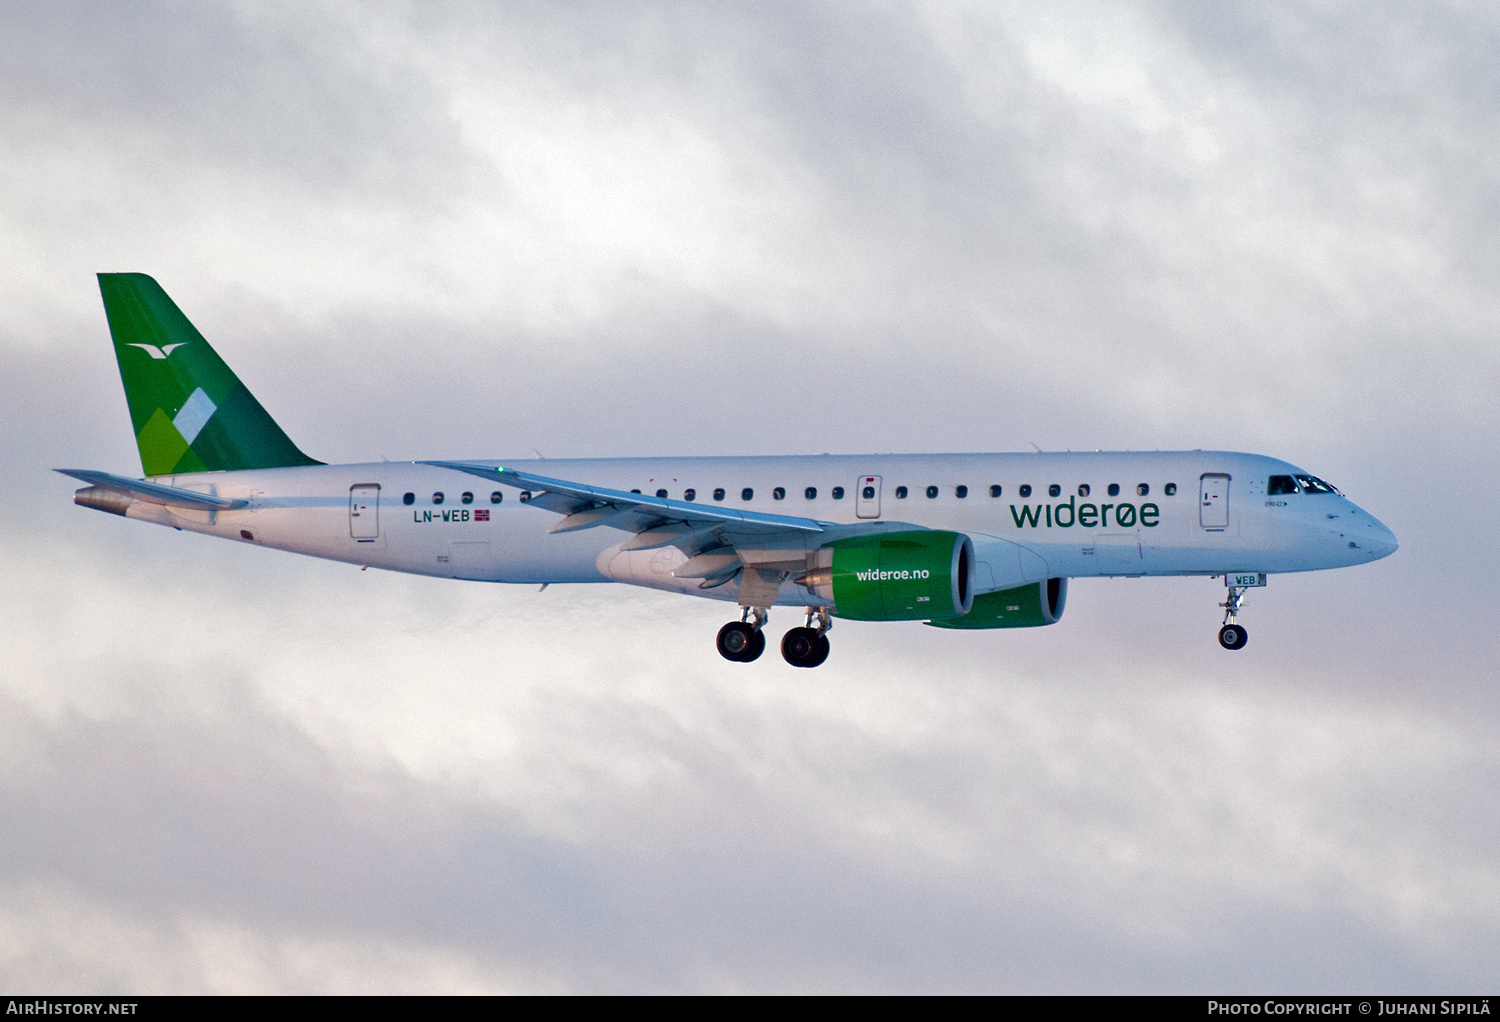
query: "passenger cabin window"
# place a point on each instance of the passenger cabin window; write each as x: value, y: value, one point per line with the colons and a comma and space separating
x: 719, y: 493
x: 811, y: 493
x: 662, y: 494
x: 1312, y: 484
x: 960, y: 492
x: 410, y: 498
x: 1114, y: 489
x: 1143, y: 489
x: 689, y: 494
x: 1054, y: 490
x: 747, y: 494
x: 931, y: 492
x: 437, y: 498
x: 1170, y: 489
x: 995, y: 490
x: 635, y: 491
x: 779, y: 493
x: 838, y: 493
x: 900, y: 493
x: 1280, y: 484
x: 1083, y: 489
x: 467, y: 498
x: 1025, y: 490
x: 496, y: 497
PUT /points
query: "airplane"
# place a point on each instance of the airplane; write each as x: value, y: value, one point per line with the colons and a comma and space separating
x: 959, y: 541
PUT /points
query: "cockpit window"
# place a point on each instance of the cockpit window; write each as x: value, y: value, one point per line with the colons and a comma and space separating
x: 1281, y: 484
x: 1312, y: 484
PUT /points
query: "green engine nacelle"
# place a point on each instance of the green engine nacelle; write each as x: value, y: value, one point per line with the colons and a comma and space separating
x: 896, y: 576
x: 1028, y: 606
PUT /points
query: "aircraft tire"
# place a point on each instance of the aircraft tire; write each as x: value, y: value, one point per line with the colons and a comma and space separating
x: 735, y: 640
x: 1233, y: 637
x: 757, y: 646
x: 822, y: 653
x: 799, y: 647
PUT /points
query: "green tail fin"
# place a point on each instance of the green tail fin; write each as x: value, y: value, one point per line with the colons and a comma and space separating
x: 189, y: 410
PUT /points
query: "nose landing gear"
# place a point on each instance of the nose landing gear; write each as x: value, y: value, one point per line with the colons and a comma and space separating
x: 1233, y: 634
x: 808, y: 646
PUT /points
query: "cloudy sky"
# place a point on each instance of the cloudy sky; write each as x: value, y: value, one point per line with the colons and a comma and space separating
x: 447, y: 230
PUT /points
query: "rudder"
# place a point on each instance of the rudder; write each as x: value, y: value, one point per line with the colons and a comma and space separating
x: 189, y: 410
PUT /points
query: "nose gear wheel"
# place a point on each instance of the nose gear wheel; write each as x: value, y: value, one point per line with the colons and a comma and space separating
x: 1233, y: 637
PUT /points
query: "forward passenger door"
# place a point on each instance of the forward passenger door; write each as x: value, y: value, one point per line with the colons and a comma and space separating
x: 1213, y: 501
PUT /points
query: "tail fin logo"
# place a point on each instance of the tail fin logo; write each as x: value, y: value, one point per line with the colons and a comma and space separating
x: 155, y: 352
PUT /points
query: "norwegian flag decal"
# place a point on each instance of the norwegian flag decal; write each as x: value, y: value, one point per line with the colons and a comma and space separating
x: 482, y: 514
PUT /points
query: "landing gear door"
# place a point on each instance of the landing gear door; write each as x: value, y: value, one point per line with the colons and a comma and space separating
x: 364, y: 512
x: 867, y: 497
x: 1213, y: 501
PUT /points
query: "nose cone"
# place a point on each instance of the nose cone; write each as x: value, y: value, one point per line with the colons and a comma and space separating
x: 1375, y: 539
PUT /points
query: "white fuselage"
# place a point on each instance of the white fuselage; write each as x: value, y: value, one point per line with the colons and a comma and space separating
x: 1175, y: 527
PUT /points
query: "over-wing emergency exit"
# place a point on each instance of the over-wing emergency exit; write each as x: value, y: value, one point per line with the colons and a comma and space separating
x: 974, y: 541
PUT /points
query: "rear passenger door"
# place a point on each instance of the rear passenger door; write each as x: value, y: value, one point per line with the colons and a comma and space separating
x: 364, y: 512
x: 867, y: 497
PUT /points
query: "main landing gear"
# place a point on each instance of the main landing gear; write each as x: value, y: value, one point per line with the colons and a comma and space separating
x: 745, y: 640
x: 1233, y: 635
x: 808, y: 646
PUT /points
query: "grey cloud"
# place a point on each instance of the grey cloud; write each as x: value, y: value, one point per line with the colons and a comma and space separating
x: 293, y: 92
x: 220, y: 806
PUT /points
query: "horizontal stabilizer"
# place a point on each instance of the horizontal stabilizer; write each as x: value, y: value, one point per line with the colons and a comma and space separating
x: 154, y: 493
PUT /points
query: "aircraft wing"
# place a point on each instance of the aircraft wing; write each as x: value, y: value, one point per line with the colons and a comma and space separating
x: 154, y: 493
x: 717, y: 541
x: 588, y: 506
